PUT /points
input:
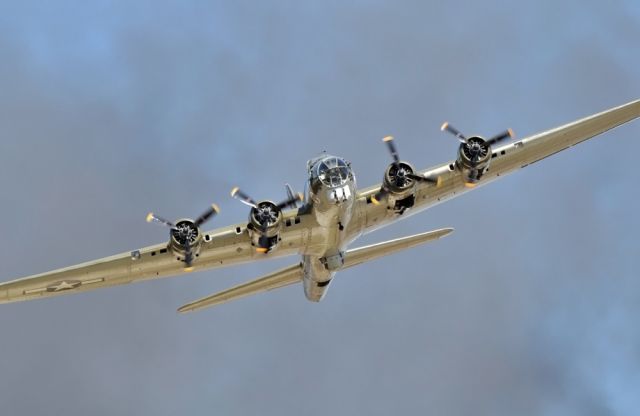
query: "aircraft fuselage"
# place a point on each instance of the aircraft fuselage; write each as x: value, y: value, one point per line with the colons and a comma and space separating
x: 330, y: 199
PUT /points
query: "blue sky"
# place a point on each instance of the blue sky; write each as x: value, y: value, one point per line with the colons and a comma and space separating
x: 111, y: 109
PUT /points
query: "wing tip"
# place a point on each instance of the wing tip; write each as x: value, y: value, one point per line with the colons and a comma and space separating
x: 442, y: 232
x: 446, y: 231
x: 184, y: 309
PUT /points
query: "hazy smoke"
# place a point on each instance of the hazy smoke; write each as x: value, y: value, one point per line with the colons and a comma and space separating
x: 110, y: 110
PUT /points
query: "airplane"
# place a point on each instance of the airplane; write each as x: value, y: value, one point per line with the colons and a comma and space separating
x: 320, y: 225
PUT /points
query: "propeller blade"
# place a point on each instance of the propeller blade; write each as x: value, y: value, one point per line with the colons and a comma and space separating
x: 292, y: 201
x: 446, y: 126
x: 206, y: 216
x: 242, y: 197
x: 151, y: 217
x: 420, y: 178
x: 392, y: 148
x: 188, y: 256
x: 500, y: 137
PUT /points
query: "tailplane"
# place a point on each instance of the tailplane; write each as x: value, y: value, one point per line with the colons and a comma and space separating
x: 293, y: 274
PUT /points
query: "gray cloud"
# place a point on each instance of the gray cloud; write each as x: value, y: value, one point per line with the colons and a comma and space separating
x: 111, y: 110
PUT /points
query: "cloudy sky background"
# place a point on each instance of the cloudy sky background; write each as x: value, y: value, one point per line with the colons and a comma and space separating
x: 111, y: 109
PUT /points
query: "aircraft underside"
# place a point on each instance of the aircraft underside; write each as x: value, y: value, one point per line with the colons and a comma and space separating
x: 320, y: 226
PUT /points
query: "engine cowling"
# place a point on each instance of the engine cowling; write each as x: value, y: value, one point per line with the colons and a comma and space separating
x: 474, y: 153
x: 185, y: 238
x: 474, y: 157
x: 185, y: 232
x: 265, y: 225
x: 265, y: 218
x: 397, y: 181
x: 398, y: 185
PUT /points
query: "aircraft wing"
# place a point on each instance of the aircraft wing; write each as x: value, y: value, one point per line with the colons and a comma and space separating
x: 293, y: 274
x: 504, y: 160
x: 220, y: 248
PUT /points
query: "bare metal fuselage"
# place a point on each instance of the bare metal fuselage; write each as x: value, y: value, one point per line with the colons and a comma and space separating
x: 331, y: 204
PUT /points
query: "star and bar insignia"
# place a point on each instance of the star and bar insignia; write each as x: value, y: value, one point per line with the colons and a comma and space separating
x: 63, y: 285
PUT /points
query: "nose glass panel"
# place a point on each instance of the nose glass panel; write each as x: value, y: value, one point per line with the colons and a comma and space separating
x: 333, y: 171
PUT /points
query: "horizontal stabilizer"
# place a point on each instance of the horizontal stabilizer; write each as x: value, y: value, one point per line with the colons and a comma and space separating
x: 374, y: 251
x: 293, y: 274
x: 280, y: 278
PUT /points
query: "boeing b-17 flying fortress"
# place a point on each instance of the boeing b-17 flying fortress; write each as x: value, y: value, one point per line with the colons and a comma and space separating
x: 320, y: 225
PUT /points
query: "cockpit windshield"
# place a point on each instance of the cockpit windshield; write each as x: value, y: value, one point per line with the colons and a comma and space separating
x: 332, y: 171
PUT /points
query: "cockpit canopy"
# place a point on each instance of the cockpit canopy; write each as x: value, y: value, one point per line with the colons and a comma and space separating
x: 332, y: 171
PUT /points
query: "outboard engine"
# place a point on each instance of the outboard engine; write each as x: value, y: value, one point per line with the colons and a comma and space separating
x: 185, y: 240
x: 185, y: 237
x: 473, y: 159
x: 474, y: 154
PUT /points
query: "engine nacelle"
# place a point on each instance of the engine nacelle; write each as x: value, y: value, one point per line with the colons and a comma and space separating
x: 185, y: 231
x: 396, y: 180
x: 265, y: 225
x: 399, y: 186
x: 473, y: 160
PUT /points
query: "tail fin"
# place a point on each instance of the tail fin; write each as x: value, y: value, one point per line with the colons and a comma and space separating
x: 293, y: 274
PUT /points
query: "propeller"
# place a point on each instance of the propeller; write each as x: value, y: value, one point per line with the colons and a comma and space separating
x: 392, y: 148
x: 206, y: 216
x: 152, y: 217
x: 291, y: 201
x: 476, y: 148
x: 401, y: 172
x: 266, y: 213
x: 244, y: 198
x: 185, y: 232
x: 446, y: 126
x: 507, y: 134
